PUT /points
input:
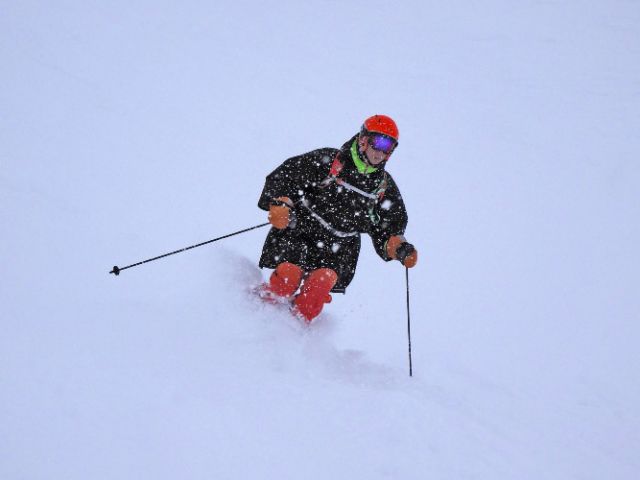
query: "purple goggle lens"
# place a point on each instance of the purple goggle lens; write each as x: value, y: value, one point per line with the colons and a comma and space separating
x: 382, y: 143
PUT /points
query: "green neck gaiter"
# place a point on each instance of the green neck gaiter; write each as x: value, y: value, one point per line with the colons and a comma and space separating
x: 360, y: 165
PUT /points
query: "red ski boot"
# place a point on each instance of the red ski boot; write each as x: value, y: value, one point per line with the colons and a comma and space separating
x: 285, y: 279
x: 315, y: 293
x: 283, y: 283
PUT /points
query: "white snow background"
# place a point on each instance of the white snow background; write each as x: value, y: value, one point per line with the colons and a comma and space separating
x: 131, y: 129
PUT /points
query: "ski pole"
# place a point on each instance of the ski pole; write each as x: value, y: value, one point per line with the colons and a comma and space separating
x: 116, y: 270
x: 409, y: 324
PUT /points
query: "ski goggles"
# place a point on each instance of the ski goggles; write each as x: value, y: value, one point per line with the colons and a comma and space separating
x: 382, y: 143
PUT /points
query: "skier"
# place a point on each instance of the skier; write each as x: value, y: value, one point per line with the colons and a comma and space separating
x: 319, y: 203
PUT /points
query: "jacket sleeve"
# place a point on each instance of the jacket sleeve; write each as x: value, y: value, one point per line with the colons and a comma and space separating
x: 393, y: 219
x: 296, y: 176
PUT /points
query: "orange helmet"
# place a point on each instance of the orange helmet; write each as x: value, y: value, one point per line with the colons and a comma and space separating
x: 381, y: 124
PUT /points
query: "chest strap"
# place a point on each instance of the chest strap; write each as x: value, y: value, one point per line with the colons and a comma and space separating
x: 334, y: 231
x: 336, y: 168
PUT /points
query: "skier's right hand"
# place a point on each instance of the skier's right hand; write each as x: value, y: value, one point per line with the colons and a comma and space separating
x: 280, y: 214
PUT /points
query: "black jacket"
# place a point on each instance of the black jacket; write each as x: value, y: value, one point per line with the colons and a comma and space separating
x: 331, y: 212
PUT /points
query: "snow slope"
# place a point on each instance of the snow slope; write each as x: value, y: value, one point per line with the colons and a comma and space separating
x: 129, y: 130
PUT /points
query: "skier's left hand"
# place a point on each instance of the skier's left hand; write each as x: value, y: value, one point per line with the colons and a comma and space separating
x: 399, y: 249
x: 407, y: 254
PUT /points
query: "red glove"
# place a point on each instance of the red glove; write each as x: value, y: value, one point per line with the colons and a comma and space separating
x: 399, y: 249
x: 280, y: 214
